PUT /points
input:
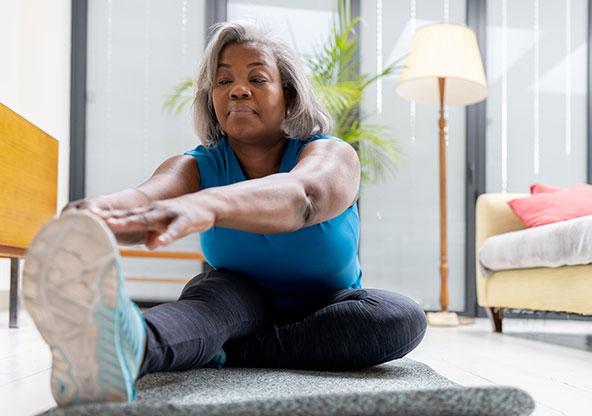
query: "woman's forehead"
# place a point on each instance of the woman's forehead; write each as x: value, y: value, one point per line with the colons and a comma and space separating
x: 251, y: 51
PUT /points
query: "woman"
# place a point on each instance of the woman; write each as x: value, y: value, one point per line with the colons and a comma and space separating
x: 274, y: 200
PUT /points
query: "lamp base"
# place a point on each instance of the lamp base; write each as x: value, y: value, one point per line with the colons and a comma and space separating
x: 448, y: 319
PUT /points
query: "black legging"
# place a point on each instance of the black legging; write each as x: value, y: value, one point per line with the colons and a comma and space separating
x: 346, y: 329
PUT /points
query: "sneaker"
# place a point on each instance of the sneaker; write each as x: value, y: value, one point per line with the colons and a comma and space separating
x: 218, y: 360
x: 75, y: 294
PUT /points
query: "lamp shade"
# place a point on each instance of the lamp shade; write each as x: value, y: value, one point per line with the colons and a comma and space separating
x: 447, y: 51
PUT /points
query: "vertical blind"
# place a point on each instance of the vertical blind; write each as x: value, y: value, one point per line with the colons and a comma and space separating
x: 536, y: 111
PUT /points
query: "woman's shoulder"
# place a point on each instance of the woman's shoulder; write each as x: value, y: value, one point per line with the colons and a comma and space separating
x: 295, y: 147
x: 209, y: 150
x: 324, y: 137
x: 211, y: 160
x: 304, y: 142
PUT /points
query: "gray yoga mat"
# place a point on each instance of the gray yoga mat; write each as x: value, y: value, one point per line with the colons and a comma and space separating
x: 400, y: 387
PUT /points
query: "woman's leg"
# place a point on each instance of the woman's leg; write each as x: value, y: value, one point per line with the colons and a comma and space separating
x: 353, y: 328
x: 214, y: 307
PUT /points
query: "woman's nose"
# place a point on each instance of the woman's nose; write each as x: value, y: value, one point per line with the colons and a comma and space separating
x: 239, y: 91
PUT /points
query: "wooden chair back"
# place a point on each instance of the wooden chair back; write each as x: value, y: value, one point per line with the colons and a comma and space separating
x: 28, y: 181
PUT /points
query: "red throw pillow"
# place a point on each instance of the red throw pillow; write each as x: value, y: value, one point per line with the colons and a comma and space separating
x: 549, y: 207
x: 539, y: 188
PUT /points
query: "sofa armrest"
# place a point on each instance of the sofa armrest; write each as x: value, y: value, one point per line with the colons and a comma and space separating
x: 493, y: 216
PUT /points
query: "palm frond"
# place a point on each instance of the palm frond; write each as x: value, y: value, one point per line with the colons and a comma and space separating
x: 181, y: 97
x: 379, y: 154
x: 337, y: 97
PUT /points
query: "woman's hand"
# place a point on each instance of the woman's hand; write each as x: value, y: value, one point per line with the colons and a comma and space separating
x: 163, y: 221
x: 95, y: 204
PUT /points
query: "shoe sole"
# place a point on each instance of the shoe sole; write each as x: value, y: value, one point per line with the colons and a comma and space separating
x: 71, y: 285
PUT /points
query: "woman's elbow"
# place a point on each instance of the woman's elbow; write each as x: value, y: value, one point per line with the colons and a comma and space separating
x: 311, y: 210
x: 304, y: 208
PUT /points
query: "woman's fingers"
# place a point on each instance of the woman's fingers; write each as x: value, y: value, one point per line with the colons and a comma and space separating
x: 123, y: 213
x: 144, y: 221
x: 175, y: 230
x: 97, y: 210
x: 178, y: 228
x: 151, y: 240
x: 162, y: 221
x: 124, y: 216
x: 93, y: 204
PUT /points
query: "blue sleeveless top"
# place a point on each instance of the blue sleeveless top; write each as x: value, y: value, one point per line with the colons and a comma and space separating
x: 293, y: 267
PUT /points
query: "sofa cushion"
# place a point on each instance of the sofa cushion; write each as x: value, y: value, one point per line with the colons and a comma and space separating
x: 564, y: 243
x: 539, y: 188
x: 549, y: 207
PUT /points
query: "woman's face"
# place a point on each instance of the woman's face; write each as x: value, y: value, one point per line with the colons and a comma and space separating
x: 247, y: 94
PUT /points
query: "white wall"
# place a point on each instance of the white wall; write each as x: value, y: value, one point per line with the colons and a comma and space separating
x: 35, y: 79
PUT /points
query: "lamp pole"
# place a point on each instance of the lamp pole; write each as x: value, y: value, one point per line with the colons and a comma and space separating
x: 443, y: 253
x: 439, y: 51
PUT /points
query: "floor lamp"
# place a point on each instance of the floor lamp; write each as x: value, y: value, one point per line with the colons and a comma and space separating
x: 443, y: 67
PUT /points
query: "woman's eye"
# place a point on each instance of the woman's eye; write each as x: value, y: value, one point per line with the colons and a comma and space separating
x: 223, y: 81
x: 257, y: 80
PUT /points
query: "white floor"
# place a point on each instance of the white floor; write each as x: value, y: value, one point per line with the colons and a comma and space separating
x: 527, y: 356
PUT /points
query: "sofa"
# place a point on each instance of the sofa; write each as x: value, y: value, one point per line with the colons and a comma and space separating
x: 563, y: 289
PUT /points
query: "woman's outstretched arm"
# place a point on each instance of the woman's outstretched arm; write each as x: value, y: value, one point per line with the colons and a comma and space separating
x: 323, y: 184
x: 178, y: 175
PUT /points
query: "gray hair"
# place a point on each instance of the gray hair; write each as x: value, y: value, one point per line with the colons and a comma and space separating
x: 305, y: 115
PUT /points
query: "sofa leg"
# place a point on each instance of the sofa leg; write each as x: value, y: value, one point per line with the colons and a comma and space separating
x: 495, y: 315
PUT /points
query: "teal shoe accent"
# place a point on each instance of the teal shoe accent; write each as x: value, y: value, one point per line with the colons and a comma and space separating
x: 61, y: 388
x: 122, y: 333
x: 132, y: 334
x: 218, y: 360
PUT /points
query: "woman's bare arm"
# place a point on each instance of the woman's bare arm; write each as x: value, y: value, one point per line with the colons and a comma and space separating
x: 323, y: 184
x: 176, y: 176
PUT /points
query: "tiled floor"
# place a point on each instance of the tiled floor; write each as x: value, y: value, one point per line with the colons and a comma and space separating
x: 552, y: 360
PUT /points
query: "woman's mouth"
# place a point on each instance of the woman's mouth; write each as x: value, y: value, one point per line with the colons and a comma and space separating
x: 241, y: 109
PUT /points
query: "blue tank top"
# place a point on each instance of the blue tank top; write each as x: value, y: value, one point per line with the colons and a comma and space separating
x: 293, y: 267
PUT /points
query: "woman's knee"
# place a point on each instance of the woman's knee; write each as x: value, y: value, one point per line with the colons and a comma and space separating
x: 402, y: 321
x: 191, y: 284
